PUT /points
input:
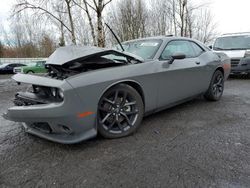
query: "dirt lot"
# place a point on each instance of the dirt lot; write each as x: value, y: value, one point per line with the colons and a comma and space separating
x: 197, y: 144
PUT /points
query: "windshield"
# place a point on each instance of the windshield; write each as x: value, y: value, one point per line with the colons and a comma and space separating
x: 32, y: 64
x: 143, y: 48
x: 232, y: 43
x: 3, y: 65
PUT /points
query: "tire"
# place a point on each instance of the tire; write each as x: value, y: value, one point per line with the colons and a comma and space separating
x: 120, y: 112
x: 248, y: 75
x: 30, y: 72
x: 216, y: 87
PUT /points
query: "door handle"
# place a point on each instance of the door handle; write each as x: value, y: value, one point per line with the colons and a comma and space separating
x: 197, y: 62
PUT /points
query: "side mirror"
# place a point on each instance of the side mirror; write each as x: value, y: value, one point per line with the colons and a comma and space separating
x: 177, y: 56
x: 210, y: 46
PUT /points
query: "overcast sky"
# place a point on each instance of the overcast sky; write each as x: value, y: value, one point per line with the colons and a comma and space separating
x: 230, y: 15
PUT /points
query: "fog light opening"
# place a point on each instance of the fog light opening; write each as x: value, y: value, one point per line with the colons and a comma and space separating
x: 42, y: 126
x: 65, y: 129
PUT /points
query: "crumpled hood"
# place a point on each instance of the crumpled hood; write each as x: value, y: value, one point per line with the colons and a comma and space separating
x: 69, y: 53
x: 37, y: 80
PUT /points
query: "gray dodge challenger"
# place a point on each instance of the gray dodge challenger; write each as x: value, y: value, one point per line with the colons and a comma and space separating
x: 90, y: 90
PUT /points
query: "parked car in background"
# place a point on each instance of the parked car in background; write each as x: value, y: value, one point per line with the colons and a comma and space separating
x: 90, y: 90
x: 7, y: 68
x: 34, y: 67
x: 237, y: 47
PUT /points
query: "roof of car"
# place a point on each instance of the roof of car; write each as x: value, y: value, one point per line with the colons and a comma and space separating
x: 235, y: 34
x: 169, y: 37
x: 163, y: 37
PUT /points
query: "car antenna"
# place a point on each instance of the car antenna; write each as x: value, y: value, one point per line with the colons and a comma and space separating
x: 115, y: 37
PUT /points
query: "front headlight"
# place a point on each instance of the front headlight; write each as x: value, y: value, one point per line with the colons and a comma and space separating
x: 60, y: 93
x: 53, y: 91
x: 247, y: 53
x: 56, y: 92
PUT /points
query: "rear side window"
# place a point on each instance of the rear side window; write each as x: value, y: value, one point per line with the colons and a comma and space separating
x: 178, y: 46
x: 197, y: 49
x: 40, y: 64
x: 12, y: 65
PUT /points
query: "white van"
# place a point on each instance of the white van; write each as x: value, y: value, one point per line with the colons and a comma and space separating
x: 237, y: 47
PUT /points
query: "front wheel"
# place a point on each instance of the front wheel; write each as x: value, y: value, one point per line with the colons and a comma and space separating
x: 216, y: 87
x: 120, y: 112
x: 30, y: 72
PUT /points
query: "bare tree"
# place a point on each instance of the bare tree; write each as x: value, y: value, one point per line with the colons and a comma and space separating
x: 1, y: 49
x: 205, y: 28
x: 60, y: 11
x: 85, y: 8
x: 82, y: 21
x: 159, y: 17
x: 130, y: 19
x: 98, y: 6
x: 46, y: 46
x: 44, y: 8
x: 90, y: 22
x: 182, y: 13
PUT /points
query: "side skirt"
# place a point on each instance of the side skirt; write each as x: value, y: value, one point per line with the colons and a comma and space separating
x: 172, y: 105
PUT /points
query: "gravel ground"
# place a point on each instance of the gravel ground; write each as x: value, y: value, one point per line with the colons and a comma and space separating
x: 196, y: 144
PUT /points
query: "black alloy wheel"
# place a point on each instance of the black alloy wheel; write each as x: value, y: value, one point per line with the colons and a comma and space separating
x: 216, y: 87
x: 120, y: 111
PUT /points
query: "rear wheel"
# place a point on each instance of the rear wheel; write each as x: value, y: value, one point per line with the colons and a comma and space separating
x: 216, y: 87
x: 120, y: 112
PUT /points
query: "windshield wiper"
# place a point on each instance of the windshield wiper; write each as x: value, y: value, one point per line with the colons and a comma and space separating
x: 218, y: 48
x: 236, y: 49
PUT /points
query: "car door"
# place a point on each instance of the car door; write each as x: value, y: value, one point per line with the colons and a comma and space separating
x: 42, y: 68
x: 35, y: 68
x: 179, y: 80
x: 9, y: 68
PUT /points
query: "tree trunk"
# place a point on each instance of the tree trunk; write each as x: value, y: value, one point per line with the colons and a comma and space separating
x: 100, y: 30
x: 62, y: 38
x: 71, y: 22
x: 182, y: 14
x: 174, y: 18
x: 90, y: 23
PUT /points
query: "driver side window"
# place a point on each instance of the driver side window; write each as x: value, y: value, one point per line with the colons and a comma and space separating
x: 177, y: 46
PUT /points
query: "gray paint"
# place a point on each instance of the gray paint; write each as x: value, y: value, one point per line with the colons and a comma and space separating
x: 163, y: 85
x: 69, y: 53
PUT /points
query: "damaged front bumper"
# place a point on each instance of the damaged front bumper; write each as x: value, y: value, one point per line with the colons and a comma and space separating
x: 57, y: 121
